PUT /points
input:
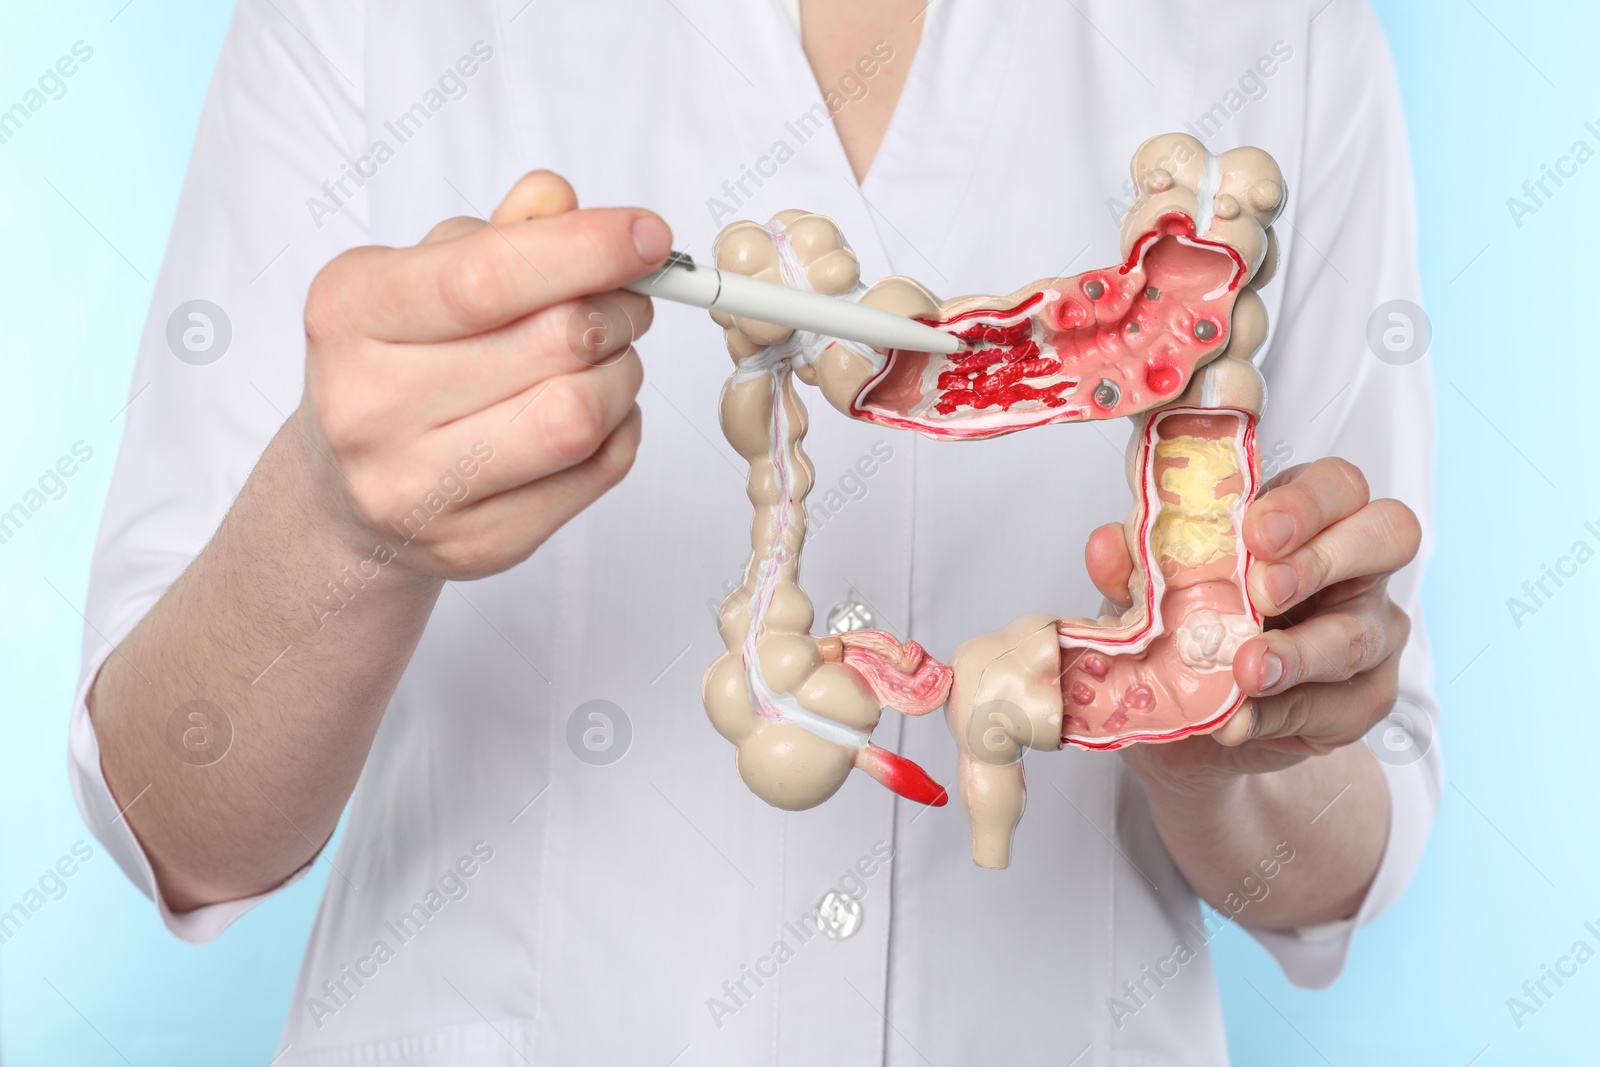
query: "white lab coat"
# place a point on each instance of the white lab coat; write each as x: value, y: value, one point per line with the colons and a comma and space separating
x: 619, y: 905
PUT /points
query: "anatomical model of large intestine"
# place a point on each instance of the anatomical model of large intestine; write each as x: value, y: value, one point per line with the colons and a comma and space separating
x: 1165, y: 338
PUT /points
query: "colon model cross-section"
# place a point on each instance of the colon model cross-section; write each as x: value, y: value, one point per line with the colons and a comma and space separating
x: 1164, y: 338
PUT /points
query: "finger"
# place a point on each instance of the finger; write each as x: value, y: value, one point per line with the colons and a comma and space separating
x: 551, y: 426
x: 1328, y: 647
x: 1379, y: 539
x: 1319, y: 717
x: 475, y: 543
x: 1236, y: 731
x: 482, y: 280
x: 452, y: 228
x: 539, y: 194
x: 1109, y: 564
x: 1307, y: 500
x: 600, y: 328
x: 458, y: 378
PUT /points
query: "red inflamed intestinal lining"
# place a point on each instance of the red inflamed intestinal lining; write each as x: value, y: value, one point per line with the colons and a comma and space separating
x: 991, y: 374
x: 1103, y: 344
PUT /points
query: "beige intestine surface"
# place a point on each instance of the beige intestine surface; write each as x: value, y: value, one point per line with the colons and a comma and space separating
x: 800, y: 710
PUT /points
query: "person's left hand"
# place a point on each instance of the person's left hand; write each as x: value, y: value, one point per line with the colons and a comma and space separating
x: 1327, y: 667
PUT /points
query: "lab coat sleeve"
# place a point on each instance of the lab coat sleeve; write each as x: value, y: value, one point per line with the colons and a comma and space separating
x: 254, y: 223
x: 1352, y: 248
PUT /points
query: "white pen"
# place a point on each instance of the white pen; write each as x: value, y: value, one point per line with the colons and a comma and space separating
x: 684, y: 281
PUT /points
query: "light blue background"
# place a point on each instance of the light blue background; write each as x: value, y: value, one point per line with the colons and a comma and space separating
x: 1493, y: 89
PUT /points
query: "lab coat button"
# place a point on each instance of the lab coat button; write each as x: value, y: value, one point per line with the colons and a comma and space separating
x: 838, y: 914
x: 849, y: 615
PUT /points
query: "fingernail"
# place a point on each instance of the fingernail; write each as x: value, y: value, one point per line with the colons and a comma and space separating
x: 1281, y: 582
x: 1276, y: 529
x: 1271, y: 671
x: 651, y: 238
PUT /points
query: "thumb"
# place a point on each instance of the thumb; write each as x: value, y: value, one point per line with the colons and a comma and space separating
x: 539, y: 194
x: 1109, y: 564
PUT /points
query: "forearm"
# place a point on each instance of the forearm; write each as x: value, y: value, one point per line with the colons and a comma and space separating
x: 1332, y: 810
x: 303, y: 687
x: 299, y: 617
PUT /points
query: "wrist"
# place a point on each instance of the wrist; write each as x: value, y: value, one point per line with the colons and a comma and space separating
x: 1207, y: 811
x: 1182, y: 786
x: 1202, y: 823
x: 314, y: 486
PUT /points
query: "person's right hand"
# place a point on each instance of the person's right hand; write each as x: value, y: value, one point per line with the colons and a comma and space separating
x: 478, y: 341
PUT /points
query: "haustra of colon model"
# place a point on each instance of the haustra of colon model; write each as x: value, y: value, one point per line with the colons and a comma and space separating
x: 1164, y: 338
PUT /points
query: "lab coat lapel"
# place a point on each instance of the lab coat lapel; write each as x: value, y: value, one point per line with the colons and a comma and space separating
x: 788, y: 154
x: 943, y: 131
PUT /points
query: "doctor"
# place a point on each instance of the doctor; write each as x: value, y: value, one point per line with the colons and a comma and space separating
x: 380, y: 544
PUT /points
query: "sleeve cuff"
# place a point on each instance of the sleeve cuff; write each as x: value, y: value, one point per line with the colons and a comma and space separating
x: 110, y: 826
x: 1313, y: 956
